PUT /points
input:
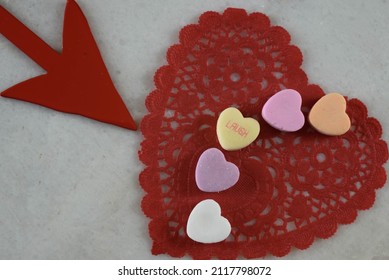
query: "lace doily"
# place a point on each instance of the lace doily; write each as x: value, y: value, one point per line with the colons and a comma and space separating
x: 293, y: 188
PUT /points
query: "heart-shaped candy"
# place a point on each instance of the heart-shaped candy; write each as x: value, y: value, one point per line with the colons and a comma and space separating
x: 328, y: 115
x: 283, y: 111
x: 215, y: 174
x: 205, y: 223
x: 234, y: 131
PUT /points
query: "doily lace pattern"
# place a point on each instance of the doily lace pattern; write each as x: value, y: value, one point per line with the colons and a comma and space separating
x: 293, y: 188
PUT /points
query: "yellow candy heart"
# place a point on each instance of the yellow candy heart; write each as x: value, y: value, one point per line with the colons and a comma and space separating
x: 328, y: 115
x: 234, y: 131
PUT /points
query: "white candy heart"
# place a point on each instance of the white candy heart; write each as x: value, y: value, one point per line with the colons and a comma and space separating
x: 205, y: 223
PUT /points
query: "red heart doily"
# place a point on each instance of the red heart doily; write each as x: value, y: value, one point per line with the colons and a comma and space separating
x: 293, y: 188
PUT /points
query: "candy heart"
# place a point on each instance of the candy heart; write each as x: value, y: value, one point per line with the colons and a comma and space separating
x: 213, y: 173
x: 283, y: 111
x: 205, y: 223
x: 328, y: 115
x: 234, y: 131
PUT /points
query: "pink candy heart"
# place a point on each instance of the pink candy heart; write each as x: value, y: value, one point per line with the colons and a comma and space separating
x: 283, y: 111
x: 214, y: 173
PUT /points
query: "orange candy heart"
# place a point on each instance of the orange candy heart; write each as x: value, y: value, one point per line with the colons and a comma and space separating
x: 328, y: 115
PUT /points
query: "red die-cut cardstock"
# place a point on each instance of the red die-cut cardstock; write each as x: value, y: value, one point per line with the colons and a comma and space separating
x: 77, y: 80
x: 293, y: 188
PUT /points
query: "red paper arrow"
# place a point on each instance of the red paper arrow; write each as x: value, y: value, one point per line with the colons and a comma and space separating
x: 77, y: 80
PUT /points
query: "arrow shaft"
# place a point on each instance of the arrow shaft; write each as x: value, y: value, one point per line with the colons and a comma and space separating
x: 29, y: 43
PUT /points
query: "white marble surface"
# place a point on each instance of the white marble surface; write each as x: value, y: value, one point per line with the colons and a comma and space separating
x: 69, y: 186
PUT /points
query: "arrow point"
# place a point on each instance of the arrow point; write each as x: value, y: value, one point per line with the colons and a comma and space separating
x: 77, y: 81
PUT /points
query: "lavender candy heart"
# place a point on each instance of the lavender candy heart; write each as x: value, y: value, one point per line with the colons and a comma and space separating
x: 214, y: 173
x: 283, y: 111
